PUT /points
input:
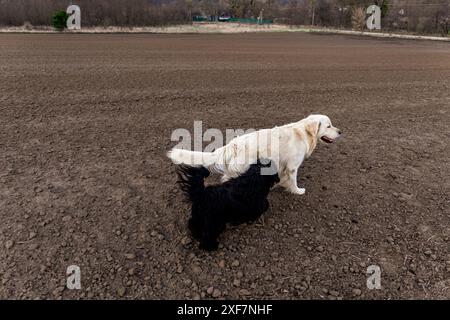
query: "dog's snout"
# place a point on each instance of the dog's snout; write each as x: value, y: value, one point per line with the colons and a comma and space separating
x: 340, y: 131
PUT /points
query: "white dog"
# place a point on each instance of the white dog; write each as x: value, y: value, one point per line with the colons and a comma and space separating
x: 287, y: 146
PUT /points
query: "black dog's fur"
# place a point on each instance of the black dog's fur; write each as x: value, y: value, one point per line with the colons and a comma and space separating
x: 239, y: 200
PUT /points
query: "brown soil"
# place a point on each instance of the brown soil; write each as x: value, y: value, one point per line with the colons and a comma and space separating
x: 86, y: 121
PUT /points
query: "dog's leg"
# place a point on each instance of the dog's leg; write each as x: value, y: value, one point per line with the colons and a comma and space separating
x: 209, y: 244
x: 266, y: 205
x: 288, y: 176
x: 291, y: 183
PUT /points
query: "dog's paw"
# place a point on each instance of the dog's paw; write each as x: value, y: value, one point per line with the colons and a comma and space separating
x: 299, y: 191
x: 209, y: 246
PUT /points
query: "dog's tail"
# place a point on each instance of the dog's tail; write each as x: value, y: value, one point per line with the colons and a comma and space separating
x: 194, y: 158
x: 191, y: 180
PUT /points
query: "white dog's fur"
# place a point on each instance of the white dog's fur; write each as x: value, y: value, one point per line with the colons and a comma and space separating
x: 287, y: 146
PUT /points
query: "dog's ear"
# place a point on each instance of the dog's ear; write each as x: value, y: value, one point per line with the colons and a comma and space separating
x: 312, y: 132
x: 312, y: 129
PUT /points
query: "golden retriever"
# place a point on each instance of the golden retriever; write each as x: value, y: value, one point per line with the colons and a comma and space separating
x: 287, y: 146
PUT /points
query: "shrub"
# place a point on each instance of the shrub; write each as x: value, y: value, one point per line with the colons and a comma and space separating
x: 60, y: 20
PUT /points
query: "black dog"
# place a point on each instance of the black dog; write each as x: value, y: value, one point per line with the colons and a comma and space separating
x: 239, y: 200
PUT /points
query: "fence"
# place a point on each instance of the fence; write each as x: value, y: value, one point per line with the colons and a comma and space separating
x: 236, y: 20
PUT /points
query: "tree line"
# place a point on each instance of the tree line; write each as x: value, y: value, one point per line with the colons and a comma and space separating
x: 419, y: 16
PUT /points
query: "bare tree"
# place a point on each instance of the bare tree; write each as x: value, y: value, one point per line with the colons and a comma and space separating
x: 358, y: 18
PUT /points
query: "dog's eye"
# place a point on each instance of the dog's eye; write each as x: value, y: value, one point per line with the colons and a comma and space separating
x: 329, y: 126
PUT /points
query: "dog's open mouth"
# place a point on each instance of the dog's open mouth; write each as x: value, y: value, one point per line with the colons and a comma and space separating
x: 326, y: 139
